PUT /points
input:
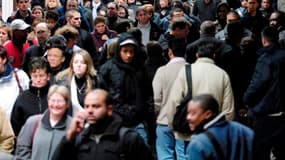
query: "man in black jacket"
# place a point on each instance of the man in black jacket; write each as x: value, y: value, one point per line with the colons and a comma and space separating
x: 265, y: 98
x: 127, y: 81
x: 104, y: 138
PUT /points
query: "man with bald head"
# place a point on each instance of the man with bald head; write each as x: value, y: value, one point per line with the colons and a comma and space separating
x: 97, y: 133
x: 43, y: 33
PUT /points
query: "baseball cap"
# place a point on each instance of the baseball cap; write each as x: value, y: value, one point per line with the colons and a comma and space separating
x: 19, y: 24
x: 128, y: 41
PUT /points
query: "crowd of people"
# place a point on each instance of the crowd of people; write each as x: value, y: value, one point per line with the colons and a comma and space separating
x: 102, y: 79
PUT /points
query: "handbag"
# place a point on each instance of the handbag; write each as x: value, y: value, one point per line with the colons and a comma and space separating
x: 180, y: 123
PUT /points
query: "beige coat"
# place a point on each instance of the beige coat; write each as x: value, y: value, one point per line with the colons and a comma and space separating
x: 6, y: 133
x: 206, y: 78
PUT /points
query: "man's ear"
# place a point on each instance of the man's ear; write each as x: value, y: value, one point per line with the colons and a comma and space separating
x: 197, y: 55
x: 170, y: 53
x: 110, y: 109
x: 208, y: 114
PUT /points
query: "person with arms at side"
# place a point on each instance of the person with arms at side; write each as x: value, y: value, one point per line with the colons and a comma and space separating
x: 265, y: 98
x: 80, y: 77
x: 214, y: 137
x: 127, y: 81
x: 34, y: 100
x: 12, y: 82
x: 41, y: 134
x: 42, y: 33
x: 103, y: 138
x: 162, y: 84
x: 18, y: 45
x: 206, y: 78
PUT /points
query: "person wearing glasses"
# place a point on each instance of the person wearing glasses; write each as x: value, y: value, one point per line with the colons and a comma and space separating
x: 41, y: 134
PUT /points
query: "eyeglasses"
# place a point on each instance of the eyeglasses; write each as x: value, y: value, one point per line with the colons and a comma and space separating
x: 58, y: 101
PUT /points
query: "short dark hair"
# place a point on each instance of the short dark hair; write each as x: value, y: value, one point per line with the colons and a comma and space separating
x: 3, y: 52
x: 38, y: 63
x: 180, y: 23
x: 206, y: 49
x: 178, y: 46
x: 52, y: 15
x: 208, y: 27
x: 56, y: 41
x: 271, y: 34
x: 154, y: 49
x: 176, y: 9
x: 208, y: 102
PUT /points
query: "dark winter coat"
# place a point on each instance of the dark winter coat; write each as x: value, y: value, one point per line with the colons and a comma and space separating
x: 28, y: 103
x: 129, y: 85
x: 108, y: 147
x: 266, y: 92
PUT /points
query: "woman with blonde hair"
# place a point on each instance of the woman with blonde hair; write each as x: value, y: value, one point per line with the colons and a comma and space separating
x: 52, y: 4
x: 41, y: 134
x: 5, y: 34
x: 80, y: 77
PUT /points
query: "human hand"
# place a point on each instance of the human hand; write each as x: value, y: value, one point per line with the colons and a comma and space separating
x: 77, y: 125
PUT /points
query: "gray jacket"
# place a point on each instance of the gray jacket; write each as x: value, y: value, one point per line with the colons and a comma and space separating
x: 39, y: 141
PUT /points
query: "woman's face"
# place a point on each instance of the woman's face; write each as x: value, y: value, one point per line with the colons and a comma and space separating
x: 100, y: 27
x: 37, y: 13
x: 3, y: 35
x: 57, y: 105
x: 52, y: 4
x: 79, y: 65
x: 55, y: 58
x: 39, y: 78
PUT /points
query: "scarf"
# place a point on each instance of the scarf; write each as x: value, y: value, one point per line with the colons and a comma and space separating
x: 7, y: 75
x: 74, y: 100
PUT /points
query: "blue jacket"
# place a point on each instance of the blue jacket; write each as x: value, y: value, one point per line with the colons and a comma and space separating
x: 235, y: 140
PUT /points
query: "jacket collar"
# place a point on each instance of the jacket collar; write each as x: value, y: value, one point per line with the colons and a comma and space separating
x: 205, y: 60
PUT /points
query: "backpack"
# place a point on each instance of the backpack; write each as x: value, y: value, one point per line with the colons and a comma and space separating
x: 180, y: 123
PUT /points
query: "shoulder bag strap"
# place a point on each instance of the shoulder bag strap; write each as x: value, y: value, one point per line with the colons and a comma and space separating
x: 217, y: 147
x: 18, y: 81
x: 189, y: 78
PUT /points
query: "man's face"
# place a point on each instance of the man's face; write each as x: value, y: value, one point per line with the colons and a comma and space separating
x: 181, y: 33
x: 231, y: 18
x: 265, y: 4
x: 55, y: 58
x: 42, y: 33
x: 274, y: 20
x: 20, y: 35
x: 196, y: 115
x: 111, y: 10
x: 39, y: 78
x: 96, y: 107
x: 75, y: 21
x: 127, y: 53
x: 142, y: 17
x: 71, y: 4
x: 23, y: 5
x: 252, y: 6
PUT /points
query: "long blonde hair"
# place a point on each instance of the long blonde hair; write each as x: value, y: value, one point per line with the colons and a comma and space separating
x: 90, y: 71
